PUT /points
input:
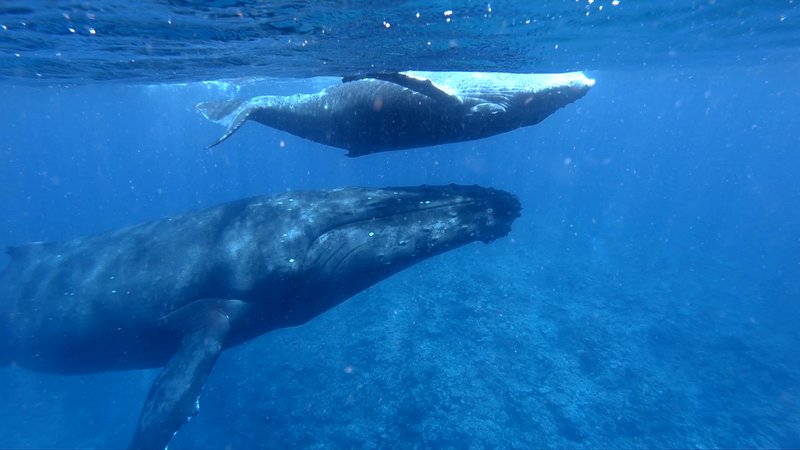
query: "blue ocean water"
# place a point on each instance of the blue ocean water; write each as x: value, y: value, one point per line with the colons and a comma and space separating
x: 647, y: 297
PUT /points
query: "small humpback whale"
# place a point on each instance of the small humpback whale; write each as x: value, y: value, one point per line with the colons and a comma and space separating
x: 175, y: 292
x: 379, y: 112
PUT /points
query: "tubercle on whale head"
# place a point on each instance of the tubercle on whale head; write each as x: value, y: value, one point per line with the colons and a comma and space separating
x: 395, y: 228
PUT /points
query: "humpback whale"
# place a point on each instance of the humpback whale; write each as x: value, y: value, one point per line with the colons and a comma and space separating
x: 175, y: 292
x: 376, y: 112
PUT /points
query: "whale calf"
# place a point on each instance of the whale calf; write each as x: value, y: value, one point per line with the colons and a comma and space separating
x: 175, y: 292
x: 378, y: 112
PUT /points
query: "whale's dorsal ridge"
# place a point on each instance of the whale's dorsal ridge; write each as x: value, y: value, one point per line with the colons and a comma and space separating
x: 415, y: 83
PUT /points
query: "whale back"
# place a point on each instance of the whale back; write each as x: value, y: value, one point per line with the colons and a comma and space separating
x: 490, y: 84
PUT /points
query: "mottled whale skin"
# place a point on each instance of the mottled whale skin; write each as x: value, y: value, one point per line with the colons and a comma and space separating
x: 392, y: 111
x: 177, y: 291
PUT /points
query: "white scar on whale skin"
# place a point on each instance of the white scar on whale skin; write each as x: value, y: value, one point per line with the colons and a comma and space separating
x: 376, y: 112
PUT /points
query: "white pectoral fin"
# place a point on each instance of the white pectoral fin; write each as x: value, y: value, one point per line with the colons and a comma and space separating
x: 488, y: 109
x: 232, y: 114
x: 172, y: 399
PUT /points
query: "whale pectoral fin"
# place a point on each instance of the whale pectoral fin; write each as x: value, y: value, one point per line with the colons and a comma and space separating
x: 488, y: 109
x: 172, y: 399
x: 423, y: 86
x: 232, y: 113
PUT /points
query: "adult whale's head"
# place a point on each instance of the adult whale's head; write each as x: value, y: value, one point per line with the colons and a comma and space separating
x: 353, y: 238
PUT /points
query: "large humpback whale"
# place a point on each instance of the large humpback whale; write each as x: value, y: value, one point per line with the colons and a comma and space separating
x: 391, y: 111
x: 175, y: 292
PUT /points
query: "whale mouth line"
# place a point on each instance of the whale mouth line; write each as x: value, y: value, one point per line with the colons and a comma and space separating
x: 393, y: 214
x: 338, y: 255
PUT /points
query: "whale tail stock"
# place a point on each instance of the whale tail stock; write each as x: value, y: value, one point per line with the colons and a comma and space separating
x: 231, y: 113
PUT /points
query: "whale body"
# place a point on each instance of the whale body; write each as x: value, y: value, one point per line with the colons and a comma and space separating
x: 177, y: 291
x: 378, y: 112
